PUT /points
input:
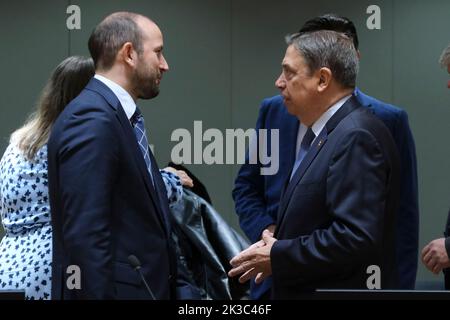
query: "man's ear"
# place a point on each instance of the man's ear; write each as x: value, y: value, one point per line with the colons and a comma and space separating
x: 127, y: 54
x: 325, y: 77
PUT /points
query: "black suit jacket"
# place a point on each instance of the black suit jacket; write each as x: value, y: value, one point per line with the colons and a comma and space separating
x: 104, y: 205
x: 337, y: 215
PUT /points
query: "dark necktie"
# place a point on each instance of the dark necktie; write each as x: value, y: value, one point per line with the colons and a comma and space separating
x: 304, y: 148
x: 137, y: 121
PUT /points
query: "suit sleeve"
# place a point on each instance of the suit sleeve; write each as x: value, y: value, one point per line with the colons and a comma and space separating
x: 88, y: 160
x: 446, y: 271
x: 408, y: 213
x: 355, y: 198
x: 248, y: 192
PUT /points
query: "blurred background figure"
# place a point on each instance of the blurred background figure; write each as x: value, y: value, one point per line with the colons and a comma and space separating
x: 445, y: 61
x: 26, y: 249
x: 435, y: 255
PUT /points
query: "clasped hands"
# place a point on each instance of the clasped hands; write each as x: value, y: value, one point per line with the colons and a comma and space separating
x: 254, y: 262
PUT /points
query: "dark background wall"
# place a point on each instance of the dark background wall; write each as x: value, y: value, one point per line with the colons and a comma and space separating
x: 224, y: 57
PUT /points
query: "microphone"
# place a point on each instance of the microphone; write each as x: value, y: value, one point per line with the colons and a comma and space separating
x: 136, y: 264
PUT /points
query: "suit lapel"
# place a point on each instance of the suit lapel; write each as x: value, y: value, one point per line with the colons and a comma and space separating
x: 304, y: 165
x: 349, y: 106
x: 140, y: 162
x: 111, y: 98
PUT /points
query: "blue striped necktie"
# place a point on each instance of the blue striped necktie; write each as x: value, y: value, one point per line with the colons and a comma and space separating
x: 137, y: 121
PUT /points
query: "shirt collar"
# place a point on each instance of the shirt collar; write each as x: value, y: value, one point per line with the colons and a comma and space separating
x: 127, y: 102
x: 318, y: 126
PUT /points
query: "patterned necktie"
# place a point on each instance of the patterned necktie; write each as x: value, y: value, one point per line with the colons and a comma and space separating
x: 139, y: 130
x: 304, y: 148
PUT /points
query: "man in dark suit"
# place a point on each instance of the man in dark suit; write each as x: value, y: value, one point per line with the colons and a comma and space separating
x: 257, y: 197
x: 336, y: 217
x: 107, y: 197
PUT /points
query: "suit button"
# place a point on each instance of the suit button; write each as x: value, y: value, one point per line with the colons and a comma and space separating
x: 170, y: 277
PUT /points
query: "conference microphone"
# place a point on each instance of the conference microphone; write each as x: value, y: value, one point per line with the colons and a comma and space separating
x: 136, y: 264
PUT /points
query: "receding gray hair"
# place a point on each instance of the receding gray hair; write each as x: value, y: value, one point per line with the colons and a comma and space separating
x: 331, y: 50
x: 445, y: 57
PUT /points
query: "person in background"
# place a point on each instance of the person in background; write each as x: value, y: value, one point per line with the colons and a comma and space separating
x: 435, y: 255
x: 257, y: 197
x: 445, y: 61
x: 26, y: 248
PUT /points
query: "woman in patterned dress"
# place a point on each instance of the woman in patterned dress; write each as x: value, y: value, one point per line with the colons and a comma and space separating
x: 26, y: 248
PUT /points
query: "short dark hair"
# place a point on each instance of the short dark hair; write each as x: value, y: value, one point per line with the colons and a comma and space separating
x: 330, y: 49
x: 110, y: 35
x: 332, y: 22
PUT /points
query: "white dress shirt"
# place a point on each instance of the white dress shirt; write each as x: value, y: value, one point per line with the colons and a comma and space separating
x: 318, y: 126
x: 127, y: 102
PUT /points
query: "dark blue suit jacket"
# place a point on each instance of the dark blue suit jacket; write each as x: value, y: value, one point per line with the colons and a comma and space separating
x: 337, y: 214
x: 104, y: 205
x: 257, y: 197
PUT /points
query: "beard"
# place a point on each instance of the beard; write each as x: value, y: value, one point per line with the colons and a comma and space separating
x: 145, y: 82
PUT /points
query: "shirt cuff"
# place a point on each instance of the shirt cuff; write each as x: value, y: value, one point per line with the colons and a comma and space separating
x: 447, y: 246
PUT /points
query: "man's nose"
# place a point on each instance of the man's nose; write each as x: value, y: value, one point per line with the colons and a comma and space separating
x: 280, y: 83
x: 163, y: 65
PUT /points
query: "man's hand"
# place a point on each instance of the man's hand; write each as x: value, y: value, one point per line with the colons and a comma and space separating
x: 185, y: 179
x: 254, y: 261
x: 434, y: 256
x: 271, y: 229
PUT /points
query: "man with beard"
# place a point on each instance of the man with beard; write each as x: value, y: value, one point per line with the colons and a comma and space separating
x: 107, y: 196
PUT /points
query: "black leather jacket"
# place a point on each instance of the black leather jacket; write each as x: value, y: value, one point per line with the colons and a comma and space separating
x: 206, y: 244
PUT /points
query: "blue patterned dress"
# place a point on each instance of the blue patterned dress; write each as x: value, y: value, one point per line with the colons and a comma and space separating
x: 26, y: 248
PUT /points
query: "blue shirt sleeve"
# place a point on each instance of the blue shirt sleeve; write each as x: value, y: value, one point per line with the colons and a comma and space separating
x: 173, y: 185
x: 248, y: 193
